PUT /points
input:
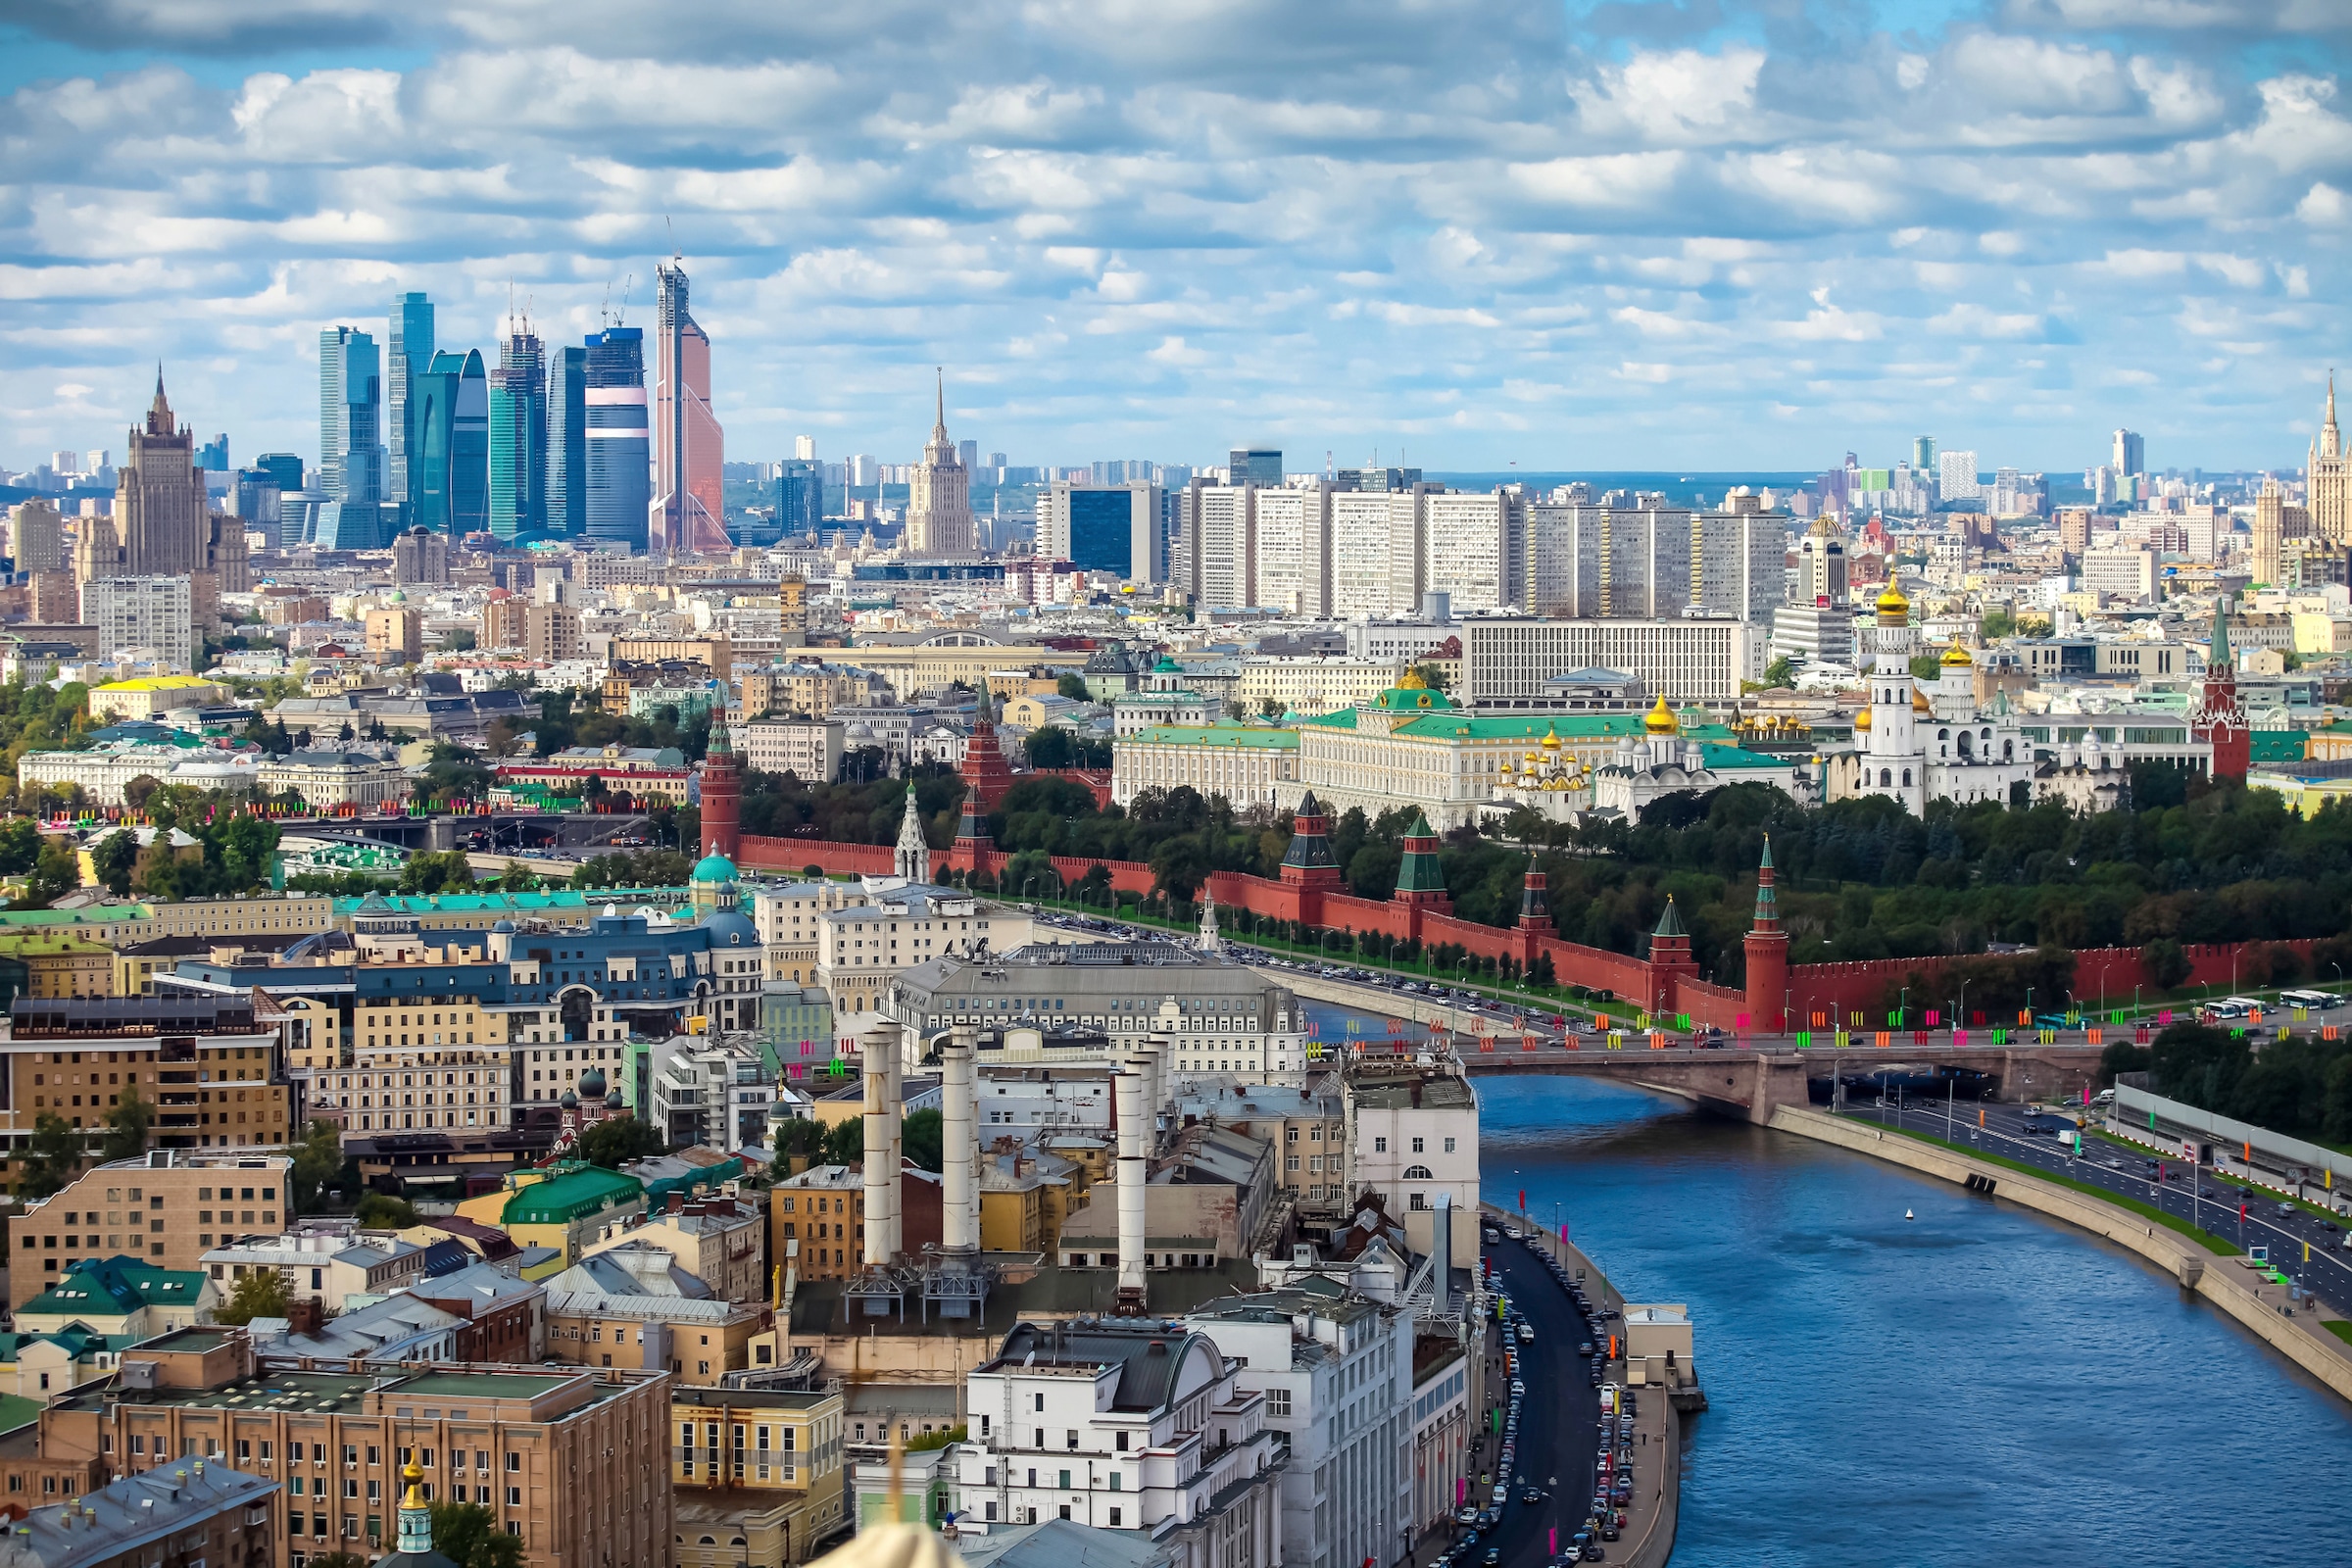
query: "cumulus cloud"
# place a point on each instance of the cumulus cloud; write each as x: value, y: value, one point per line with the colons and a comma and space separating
x: 1132, y: 226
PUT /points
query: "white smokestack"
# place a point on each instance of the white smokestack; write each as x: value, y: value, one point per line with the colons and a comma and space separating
x: 1440, y: 1248
x: 883, y: 1114
x: 959, y: 1145
x: 1157, y: 1051
x: 1128, y: 1088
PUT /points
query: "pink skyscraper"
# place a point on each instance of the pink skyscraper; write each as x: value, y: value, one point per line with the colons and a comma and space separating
x: 689, y: 447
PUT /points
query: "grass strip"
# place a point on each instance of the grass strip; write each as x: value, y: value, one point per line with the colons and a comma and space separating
x: 2206, y: 1239
x: 2339, y: 1328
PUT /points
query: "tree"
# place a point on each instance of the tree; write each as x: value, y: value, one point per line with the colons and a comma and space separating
x: 919, y: 1139
x: 1050, y: 747
x: 617, y: 1140
x: 1432, y: 675
x: 138, y: 791
x: 1927, y: 667
x: 1074, y: 686
x: 317, y: 1160
x: 127, y: 1127
x: 1780, y: 672
x: 844, y: 1141
x: 471, y: 1536
x: 1996, y: 624
x: 2165, y: 962
x: 260, y: 1294
x: 55, y: 874
x: 116, y: 857
x: 51, y: 1159
x: 436, y: 873
x: 516, y: 878
x: 380, y: 1212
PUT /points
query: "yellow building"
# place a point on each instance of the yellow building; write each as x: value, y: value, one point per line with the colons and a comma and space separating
x: 564, y: 1206
x: 59, y: 963
x: 1024, y: 1196
x: 2303, y: 796
x: 151, y: 695
x: 754, y: 1475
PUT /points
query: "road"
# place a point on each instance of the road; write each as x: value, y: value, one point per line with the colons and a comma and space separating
x: 2122, y: 1168
x: 1558, y: 1419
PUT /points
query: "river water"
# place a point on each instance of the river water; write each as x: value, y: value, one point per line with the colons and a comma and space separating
x: 1977, y: 1384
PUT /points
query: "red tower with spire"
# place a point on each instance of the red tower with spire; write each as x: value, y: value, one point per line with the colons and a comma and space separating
x: 722, y: 795
x: 1668, y: 960
x: 1767, y: 957
x: 984, y: 764
x: 2220, y: 719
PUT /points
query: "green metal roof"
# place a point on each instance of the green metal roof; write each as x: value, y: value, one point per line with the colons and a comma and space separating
x: 2277, y: 745
x: 568, y: 1196
x: 510, y: 903
x: 1235, y: 735
x: 1585, y: 727
x: 113, y: 1286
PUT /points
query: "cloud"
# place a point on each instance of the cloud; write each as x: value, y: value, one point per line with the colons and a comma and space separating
x: 1449, y: 220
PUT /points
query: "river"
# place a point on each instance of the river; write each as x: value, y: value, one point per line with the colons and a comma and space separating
x: 1978, y: 1385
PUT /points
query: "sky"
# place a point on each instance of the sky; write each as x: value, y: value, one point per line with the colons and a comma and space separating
x: 1606, y: 235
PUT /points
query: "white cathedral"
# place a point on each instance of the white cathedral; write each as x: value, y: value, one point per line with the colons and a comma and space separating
x: 1919, y: 746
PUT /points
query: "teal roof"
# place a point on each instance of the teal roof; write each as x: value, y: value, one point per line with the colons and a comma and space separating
x: 1734, y: 757
x: 1585, y: 727
x: 2277, y: 745
x: 569, y: 1195
x: 113, y: 1285
x: 715, y: 868
x: 507, y: 902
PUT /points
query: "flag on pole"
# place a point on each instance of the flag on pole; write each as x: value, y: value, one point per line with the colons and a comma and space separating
x: 1522, y: 1200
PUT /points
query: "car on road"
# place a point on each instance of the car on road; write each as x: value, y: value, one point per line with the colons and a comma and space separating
x: 1494, y: 1557
x: 1527, y: 1334
x: 1584, y: 1347
x: 1530, y: 1494
x: 2287, y: 1211
x: 1465, y: 1515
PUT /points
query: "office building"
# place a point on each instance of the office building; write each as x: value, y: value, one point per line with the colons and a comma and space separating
x: 2131, y: 453
x: 199, y: 1512
x: 285, y: 467
x: 2117, y: 571
x: 518, y: 437
x: 462, y: 433
x: 800, y: 497
x: 1104, y: 528
x: 1255, y: 465
x: 1821, y: 566
x: 1376, y: 551
x: 154, y: 614
x: 939, y: 494
x: 566, y: 486
x: 213, y: 455
x: 1292, y: 530
x: 163, y: 522
x: 258, y: 505
x: 688, y: 508
x: 351, y: 454
x: 1739, y: 560
x: 1218, y: 524
x: 1474, y: 549
x: 618, y: 451
x: 408, y: 355
x: 36, y: 540
x: 1507, y: 661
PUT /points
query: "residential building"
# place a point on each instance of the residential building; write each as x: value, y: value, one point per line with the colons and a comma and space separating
x: 396, y: 635
x: 551, y: 633
x: 632, y: 1307
x: 1293, y: 548
x: 714, y: 1093
x: 568, y: 1461
x: 1738, y: 559
x: 155, y: 616
x: 150, y: 697
x: 717, y: 1240
x: 1412, y: 1137
x: 36, y: 535
x: 199, y: 1513
x: 50, y: 964
x: 420, y: 558
x: 1336, y: 1372
x: 123, y: 1297
x: 1124, y: 1426
x: 506, y: 624
x: 170, y: 1207
x: 760, y: 1469
x: 1218, y: 526
x: 1377, y: 551
x: 329, y: 1265
x: 564, y: 1205
x: 1475, y: 550
x: 2121, y: 573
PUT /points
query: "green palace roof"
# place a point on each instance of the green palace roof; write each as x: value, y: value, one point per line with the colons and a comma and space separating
x: 1219, y: 735
x: 510, y: 903
x: 579, y: 1190
x: 2277, y: 745
x: 1531, y: 727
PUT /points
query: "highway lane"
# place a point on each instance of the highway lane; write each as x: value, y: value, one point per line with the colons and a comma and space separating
x: 2120, y: 1168
x: 1558, y: 1418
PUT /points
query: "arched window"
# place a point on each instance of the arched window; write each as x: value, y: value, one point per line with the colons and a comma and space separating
x: 1906, y: 775
x: 1419, y: 1173
x: 1886, y: 778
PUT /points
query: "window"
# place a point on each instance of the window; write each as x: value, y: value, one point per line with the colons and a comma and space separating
x: 1450, y: 1146
x: 1418, y: 1173
x: 1278, y: 1401
x: 1119, y: 1442
x: 1418, y: 1148
x: 1379, y: 1146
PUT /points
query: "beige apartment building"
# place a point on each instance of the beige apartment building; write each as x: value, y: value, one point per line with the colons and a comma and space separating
x: 757, y: 1466
x: 568, y: 1461
x: 169, y: 1208
x: 717, y: 1240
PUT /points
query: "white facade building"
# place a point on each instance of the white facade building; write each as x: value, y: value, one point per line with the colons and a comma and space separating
x: 1474, y: 548
x: 1376, y: 551
x: 154, y: 614
x: 1507, y: 661
x: 1412, y: 1133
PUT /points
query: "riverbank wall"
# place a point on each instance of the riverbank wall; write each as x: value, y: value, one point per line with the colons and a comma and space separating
x: 1653, y: 1543
x: 2224, y: 1281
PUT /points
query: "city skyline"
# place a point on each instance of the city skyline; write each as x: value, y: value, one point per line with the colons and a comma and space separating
x: 1631, y: 237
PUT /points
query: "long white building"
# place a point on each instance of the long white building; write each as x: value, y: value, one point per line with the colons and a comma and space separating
x: 1507, y: 660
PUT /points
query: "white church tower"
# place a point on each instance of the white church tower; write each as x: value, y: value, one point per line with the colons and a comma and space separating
x: 911, y: 860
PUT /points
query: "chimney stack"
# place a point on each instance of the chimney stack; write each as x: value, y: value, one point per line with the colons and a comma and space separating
x: 1128, y: 1085
x: 1157, y: 1050
x: 883, y: 1238
x: 959, y: 1146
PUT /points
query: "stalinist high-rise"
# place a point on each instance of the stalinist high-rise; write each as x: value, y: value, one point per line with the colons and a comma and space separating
x: 162, y: 525
x: 2327, y: 495
x: 939, y: 494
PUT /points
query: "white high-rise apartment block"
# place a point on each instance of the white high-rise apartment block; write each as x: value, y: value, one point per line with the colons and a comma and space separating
x: 152, y: 614
x: 1220, y: 531
x: 1474, y: 548
x: 804, y: 448
x: 1957, y: 473
x: 1376, y: 552
x: 1293, y: 547
x: 1739, y: 565
x: 1507, y: 661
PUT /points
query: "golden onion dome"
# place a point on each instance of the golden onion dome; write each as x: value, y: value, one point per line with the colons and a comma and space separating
x: 1411, y: 681
x: 1660, y: 720
x: 1862, y: 720
x: 1957, y: 657
x: 1551, y: 737
x: 1919, y: 700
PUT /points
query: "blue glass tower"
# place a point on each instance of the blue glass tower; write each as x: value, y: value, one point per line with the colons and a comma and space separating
x: 468, y: 442
x: 408, y: 355
x: 567, y: 442
x: 620, y: 473
x: 518, y: 438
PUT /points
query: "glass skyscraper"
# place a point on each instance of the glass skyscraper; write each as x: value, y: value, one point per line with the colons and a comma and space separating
x: 408, y: 356
x: 351, y: 453
x: 567, y: 442
x: 619, y: 450
x: 518, y: 438
x: 800, y: 496
x: 432, y: 411
x: 467, y: 463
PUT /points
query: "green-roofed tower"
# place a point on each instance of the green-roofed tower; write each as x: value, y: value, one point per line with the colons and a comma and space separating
x: 1420, y: 878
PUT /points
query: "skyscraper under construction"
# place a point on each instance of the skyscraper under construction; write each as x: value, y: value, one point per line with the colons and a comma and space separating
x: 688, y: 510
